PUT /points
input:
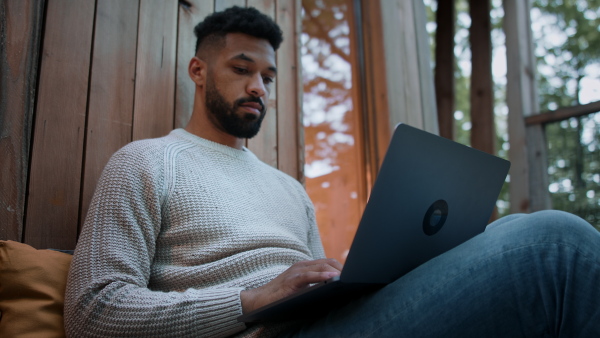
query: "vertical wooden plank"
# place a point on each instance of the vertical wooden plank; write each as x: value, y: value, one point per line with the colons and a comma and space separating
x: 444, y: 67
x: 483, y: 131
x: 528, y: 172
x: 20, y: 38
x: 377, y: 114
x: 264, y: 144
x: 54, y: 188
x: 289, y: 102
x: 112, y: 81
x: 537, y: 158
x: 224, y: 4
x: 155, y: 69
x: 401, y: 60
x: 517, y: 103
x: 190, y: 14
x: 425, y: 76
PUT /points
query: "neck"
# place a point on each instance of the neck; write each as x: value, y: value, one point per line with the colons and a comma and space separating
x: 201, y: 125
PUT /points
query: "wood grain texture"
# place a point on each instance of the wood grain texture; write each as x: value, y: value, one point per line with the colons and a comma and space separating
x: 425, y: 76
x: 528, y: 178
x: 20, y: 38
x: 54, y: 188
x: 153, y: 113
x: 111, y: 93
x: 264, y: 144
x: 444, y: 67
x: 537, y: 157
x: 483, y: 131
x: 401, y: 60
x: 563, y: 113
x: 289, y: 99
x: 224, y: 4
x: 189, y: 17
x: 377, y: 114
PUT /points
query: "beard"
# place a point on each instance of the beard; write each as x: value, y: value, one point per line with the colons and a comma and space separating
x: 225, y: 116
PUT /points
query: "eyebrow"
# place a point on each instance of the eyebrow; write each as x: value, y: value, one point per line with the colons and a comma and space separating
x: 246, y: 58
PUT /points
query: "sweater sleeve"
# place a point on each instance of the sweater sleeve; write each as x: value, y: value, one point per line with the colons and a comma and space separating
x: 107, y: 292
x: 314, y: 238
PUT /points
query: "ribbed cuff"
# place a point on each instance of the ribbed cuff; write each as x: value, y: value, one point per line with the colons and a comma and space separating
x: 219, y: 310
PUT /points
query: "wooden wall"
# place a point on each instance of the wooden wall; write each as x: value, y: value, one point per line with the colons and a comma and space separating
x: 82, y: 78
x: 411, y: 92
x: 20, y: 37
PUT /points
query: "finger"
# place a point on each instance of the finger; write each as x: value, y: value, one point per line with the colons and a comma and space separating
x: 302, y: 279
x: 324, y: 264
x: 333, y: 262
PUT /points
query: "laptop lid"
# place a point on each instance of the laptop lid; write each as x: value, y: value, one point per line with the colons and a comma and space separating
x: 430, y: 195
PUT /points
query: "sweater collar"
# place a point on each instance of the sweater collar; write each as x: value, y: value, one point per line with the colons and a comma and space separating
x: 244, y: 153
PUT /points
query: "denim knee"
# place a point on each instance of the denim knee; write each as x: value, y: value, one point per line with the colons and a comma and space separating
x: 554, y: 226
x: 558, y: 218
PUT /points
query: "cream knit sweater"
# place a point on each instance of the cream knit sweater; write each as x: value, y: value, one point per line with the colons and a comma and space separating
x: 177, y: 228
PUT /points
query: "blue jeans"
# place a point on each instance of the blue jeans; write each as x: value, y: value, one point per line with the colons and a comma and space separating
x: 525, y: 276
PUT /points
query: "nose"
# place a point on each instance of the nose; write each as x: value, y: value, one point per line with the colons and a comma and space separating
x: 256, y: 87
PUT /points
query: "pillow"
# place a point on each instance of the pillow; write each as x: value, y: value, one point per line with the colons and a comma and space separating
x: 32, y: 289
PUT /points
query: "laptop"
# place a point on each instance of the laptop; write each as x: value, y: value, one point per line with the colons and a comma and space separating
x: 431, y: 194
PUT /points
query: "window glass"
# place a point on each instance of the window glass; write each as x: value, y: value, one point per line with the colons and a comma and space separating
x: 335, y: 166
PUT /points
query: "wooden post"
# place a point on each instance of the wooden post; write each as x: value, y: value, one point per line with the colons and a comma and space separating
x: 528, y: 173
x: 290, y: 134
x: 410, y: 91
x: 57, y: 153
x: 375, y: 91
x: 20, y: 37
x: 264, y: 144
x: 483, y: 133
x: 110, y: 107
x: 154, y: 109
x: 444, y: 67
x: 191, y: 13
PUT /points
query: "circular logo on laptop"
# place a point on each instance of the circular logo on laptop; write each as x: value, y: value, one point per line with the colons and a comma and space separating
x: 435, y: 217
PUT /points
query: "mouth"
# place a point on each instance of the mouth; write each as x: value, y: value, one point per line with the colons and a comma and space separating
x: 252, y: 109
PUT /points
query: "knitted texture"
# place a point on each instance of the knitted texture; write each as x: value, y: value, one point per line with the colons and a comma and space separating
x: 177, y: 228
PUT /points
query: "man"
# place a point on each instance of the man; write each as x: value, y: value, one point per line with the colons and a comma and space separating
x: 188, y: 231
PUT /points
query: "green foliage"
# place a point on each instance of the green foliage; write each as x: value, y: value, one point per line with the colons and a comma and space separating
x: 567, y: 39
x: 567, y: 48
x: 462, y: 76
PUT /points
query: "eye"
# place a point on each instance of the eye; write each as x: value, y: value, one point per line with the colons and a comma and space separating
x: 240, y: 70
x: 268, y: 79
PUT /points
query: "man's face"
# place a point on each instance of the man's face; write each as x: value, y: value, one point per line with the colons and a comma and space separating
x: 239, y: 83
x: 232, y: 117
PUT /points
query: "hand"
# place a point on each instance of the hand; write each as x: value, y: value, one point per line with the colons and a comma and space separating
x: 297, y: 277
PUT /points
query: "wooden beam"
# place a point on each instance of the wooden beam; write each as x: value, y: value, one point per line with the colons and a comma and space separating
x: 428, y: 104
x: 563, y: 114
x: 290, y: 133
x: 153, y: 114
x: 528, y: 172
x: 20, y: 37
x: 221, y: 5
x: 483, y: 131
x: 264, y: 144
x: 191, y: 13
x: 110, y: 108
x: 377, y: 113
x: 444, y: 67
x: 57, y: 155
x: 410, y: 91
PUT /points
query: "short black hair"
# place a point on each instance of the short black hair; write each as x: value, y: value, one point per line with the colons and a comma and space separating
x: 247, y: 20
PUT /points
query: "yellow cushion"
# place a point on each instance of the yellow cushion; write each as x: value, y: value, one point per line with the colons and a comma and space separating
x: 32, y: 288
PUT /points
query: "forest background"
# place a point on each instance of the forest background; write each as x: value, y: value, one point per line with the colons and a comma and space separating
x: 566, y: 34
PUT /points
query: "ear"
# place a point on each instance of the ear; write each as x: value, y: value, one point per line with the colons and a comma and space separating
x: 197, y: 71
